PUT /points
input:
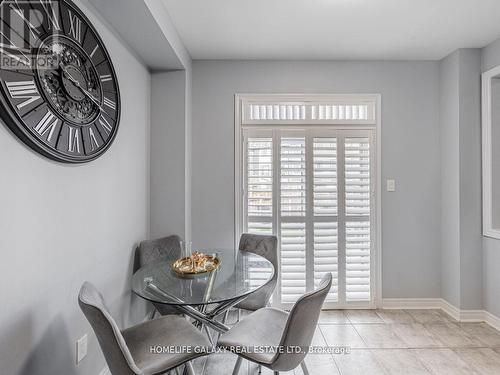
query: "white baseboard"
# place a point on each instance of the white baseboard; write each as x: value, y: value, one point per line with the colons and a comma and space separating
x: 448, y: 308
x: 105, y: 371
x: 492, y: 320
x: 411, y: 303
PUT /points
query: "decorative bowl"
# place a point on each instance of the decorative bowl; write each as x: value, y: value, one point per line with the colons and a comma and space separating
x: 197, y: 263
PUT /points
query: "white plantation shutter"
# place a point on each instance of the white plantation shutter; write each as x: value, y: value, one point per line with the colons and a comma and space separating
x: 293, y: 216
x: 313, y: 188
x: 346, y: 112
x: 259, y: 184
x: 358, y: 261
x: 260, y: 112
x: 259, y: 188
x: 357, y: 176
x: 325, y: 176
x: 325, y: 211
x: 358, y: 193
x: 339, y: 110
x: 293, y: 177
x: 293, y: 261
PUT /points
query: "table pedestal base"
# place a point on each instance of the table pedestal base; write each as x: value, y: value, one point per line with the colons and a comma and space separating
x: 207, y: 318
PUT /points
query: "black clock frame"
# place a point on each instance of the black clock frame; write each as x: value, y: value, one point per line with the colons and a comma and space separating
x: 10, y: 116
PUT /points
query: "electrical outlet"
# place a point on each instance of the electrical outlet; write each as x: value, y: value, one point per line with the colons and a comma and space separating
x: 81, y: 348
x: 391, y: 185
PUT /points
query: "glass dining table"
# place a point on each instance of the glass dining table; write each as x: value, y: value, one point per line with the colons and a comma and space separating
x: 207, y: 296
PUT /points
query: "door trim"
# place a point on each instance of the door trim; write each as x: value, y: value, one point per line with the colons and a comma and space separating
x: 240, y: 99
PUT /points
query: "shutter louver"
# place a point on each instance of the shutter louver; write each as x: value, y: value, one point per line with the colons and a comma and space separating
x: 293, y: 211
x: 325, y: 176
x: 260, y: 112
x: 358, y: 261
x: 263, y: 228
x: 293, y: 177
x: 293, y: 261
x: 259, y: 188
x: 259, y: 185
x: 326, y: 255
x: 325, y: 206
x: 357, y: 176
x: 339, y: 112
x: 357, y: 227
x: 334, y: 110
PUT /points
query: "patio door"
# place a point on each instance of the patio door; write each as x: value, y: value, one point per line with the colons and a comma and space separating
x: 315, y: 189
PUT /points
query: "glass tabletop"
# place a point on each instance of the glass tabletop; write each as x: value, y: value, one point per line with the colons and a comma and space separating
x: 231, y: 280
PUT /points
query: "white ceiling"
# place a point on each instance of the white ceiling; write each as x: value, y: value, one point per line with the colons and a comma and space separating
x: 333, y: 29
x: 117, y: 13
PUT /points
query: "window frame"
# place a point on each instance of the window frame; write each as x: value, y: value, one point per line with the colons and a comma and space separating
x: 487, y: 153
x: 374, y: 125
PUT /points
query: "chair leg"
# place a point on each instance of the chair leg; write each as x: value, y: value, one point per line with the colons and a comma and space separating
x: 152, y: 314
x: 237, y: 366
x: 224, y: 320
x: 276, y: 373
x: 190, y: 369
x: 208, y: 334
x: 226, y: 314
x: 239, y: 314
x: 304, y: 368
x: 259, y: 369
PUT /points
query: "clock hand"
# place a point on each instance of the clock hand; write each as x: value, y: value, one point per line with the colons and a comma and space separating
x: 77, y: 84
x: 85, y: 92
x: 90, y: 96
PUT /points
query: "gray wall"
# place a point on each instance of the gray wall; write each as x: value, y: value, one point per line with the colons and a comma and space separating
x: 171, y: 111
x: 461, y: 263
x: 491, y: 247
x: 410, y: 138
x: 62, y: 224
x: 471, y: 262
x: 450, y: 178
x: 168, y: 118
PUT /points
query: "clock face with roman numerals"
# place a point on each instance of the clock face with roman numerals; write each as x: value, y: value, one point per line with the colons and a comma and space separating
x: 59, y: 92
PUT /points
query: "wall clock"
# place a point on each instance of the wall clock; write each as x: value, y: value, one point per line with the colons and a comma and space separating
x: 59, y: 92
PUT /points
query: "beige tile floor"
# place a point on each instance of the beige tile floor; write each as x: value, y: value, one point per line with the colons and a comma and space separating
x: 389, y: 342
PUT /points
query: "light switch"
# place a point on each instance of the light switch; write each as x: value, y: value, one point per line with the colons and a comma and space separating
x: 391, y: 185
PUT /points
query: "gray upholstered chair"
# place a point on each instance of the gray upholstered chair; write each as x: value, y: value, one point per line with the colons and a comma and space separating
x: 267, y: 247
x: 151, y: 251
x: 165, y: 248
x: 128, y: 352
x: 271, y: 327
